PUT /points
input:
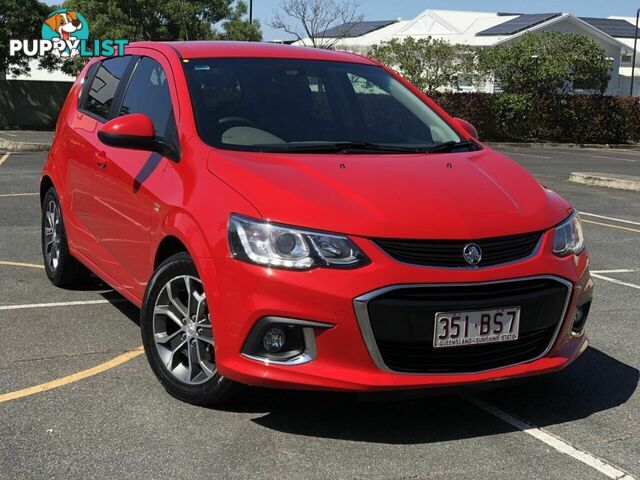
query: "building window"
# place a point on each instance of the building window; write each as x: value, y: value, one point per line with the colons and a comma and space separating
x: 465, y: 82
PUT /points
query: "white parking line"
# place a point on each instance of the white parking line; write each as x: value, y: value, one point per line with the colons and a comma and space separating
x: 613, y: 280
x: 59, y: 304
x: 4, y: 157
x: 18, y: 195
x: 617, y: 270
x: 9, y: 134
x: 528, y: 155
x: 554, y: 441
x: 617, y: 151
x: 609, y: 218
x: 632, y: 160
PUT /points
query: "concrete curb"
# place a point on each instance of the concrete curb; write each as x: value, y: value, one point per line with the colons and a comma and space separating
x: 619, y: 182
x: 13, y: 146
x: 624, y: 146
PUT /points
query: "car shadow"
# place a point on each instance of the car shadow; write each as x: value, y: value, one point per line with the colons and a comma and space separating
x: 91, y: 284
x: 123, y: 305
x: 594, y: 383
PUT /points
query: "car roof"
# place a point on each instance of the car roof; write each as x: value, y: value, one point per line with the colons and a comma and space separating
x: 222, y: 49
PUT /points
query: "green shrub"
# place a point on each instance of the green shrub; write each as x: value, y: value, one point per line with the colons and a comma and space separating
x: 561, y: 118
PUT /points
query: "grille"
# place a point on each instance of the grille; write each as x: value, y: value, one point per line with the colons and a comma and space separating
x: 402, y: 322
x: 448, y: 253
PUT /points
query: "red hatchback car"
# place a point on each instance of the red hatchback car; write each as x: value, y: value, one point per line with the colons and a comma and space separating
x: 299, y: 218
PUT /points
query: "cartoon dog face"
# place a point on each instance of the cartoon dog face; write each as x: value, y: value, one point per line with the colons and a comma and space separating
x: 64, y: 23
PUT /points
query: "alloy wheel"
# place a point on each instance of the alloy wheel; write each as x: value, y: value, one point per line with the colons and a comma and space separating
x: 52, y: 235
x: 182, y: 330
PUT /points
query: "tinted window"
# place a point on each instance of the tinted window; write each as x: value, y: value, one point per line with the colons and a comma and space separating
x: 104, y: 85
x: 382, y: 112
x: 274, y: 104
x: 148, y: 93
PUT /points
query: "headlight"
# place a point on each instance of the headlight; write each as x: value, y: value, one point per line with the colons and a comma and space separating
x: 569, y: 238
x: 276, y: 245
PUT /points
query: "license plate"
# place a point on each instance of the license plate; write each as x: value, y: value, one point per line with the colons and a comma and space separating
x: 456, y: 329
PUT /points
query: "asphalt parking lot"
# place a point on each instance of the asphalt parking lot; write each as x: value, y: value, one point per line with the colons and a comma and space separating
x: 116, y: 421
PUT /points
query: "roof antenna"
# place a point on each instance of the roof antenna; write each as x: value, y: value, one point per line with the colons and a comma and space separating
x: 184, y: 26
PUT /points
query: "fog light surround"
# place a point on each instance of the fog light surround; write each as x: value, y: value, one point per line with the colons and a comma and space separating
x: 283, y: 341
x: 580, y: 319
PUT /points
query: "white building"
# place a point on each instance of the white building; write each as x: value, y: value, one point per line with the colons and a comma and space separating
x: 625, y: 63
x: 487, y: 29
x: 41, y: 74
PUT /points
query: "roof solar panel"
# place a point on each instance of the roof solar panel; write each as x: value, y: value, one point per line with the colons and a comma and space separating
x: 355, y: 29
x: 519, y: 24
x: 611, y: 26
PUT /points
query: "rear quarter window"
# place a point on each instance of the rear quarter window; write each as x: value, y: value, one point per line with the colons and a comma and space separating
x: 104, y: 85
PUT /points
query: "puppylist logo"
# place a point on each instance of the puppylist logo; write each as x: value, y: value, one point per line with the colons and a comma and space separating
x: 65, y: 34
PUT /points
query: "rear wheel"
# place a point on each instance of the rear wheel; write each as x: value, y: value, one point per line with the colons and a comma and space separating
x: 178, y: 337
x: 62, y: 269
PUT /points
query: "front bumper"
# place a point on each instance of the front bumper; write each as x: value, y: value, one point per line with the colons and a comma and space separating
x: 240, y: 294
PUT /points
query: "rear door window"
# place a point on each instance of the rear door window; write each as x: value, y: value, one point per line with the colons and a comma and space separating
x: 104, y: 86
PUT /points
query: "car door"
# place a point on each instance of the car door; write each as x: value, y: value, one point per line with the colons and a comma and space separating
x: 124, y: 199
x: 80, y: 139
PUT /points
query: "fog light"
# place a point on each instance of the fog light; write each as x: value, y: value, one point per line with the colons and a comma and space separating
x: 577, y: 318
x: 274, y: 340
x: 580, y: 317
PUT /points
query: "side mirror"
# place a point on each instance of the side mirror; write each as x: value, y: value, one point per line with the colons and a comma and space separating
x: 467, y: 127
x: 135, y: 131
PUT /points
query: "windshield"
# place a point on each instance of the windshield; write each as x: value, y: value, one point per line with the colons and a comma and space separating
x: 269, y: 104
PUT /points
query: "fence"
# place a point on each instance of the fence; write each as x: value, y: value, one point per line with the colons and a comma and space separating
x: 31, y: 105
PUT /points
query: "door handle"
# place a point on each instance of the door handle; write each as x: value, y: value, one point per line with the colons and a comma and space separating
x: 101, y: 160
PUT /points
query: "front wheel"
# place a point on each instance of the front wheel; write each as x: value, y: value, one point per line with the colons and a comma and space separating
x: 178, y: 336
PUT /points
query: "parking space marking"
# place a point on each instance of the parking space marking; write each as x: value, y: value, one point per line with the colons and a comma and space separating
x: 604, y: 217
x: 617, y: 270
x: 3, y: 158
x: 528, y: 155
x: 636, y: 230
x: 43, y: 387
x: 614, y: 280
x: 60, y: 304
x: 20, y: 264
x: 632, y: 160
x: 553, y: 441
x: 18, y: 194
x: 617, y: 151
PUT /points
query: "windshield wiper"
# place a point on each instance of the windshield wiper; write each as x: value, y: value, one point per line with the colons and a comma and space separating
x: 366, y: 147
x: 448, y: 146
x: 345, y: 147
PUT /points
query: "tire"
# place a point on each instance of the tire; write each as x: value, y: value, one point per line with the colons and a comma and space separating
x: 177, y: 335
x: 62, y: 269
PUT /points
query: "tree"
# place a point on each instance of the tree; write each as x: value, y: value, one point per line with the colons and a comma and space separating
x: 166, y: 20
x: 21, y: 19
x: 547, y: 63
x: 236, y: 28
x: 428, y: 63
x: 312, y: 19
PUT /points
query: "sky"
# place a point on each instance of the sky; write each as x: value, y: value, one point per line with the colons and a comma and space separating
x: 408, y: 9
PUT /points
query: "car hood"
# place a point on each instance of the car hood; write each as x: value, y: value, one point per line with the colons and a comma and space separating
x: 467, y: 195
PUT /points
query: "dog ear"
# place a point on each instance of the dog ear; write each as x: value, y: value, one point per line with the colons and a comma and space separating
x: 73, y: 15
x: 53, y: 22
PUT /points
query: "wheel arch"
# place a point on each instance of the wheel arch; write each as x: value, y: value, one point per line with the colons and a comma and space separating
x: 168, y: 246
x: 179, y: 232
x: 45, y: 184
